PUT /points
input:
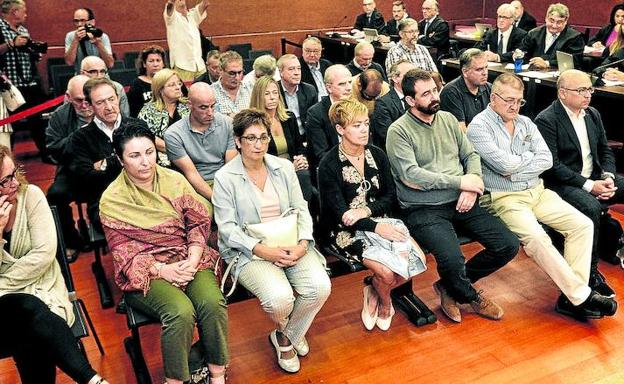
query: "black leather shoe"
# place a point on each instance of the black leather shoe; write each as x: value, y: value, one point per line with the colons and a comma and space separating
x: 597, y: 302
x: 598, y: 283
x: 579, y: 312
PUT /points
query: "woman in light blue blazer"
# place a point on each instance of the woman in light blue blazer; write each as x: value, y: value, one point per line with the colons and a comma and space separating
x: 256, y: 187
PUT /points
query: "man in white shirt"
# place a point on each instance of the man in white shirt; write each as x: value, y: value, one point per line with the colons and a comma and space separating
x: 583, y: 171
x: 183, y: 37
x: 499, y: 43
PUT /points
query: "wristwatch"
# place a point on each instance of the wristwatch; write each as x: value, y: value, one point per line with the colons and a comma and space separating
x: 607, y: 175
x: 103, y: 165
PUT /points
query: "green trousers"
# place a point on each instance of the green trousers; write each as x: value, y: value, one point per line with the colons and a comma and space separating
x: 178, y: 310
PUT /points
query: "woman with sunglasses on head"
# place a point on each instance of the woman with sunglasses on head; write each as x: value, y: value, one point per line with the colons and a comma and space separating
x: 286, y: 142
x: 166, y: 107
x: 151, y: 61
x: 36, y: 311
x: 254, y: 188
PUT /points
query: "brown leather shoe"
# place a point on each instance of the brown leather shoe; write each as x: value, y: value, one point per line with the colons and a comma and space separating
x: 485, y: 307
x: 448, y: 305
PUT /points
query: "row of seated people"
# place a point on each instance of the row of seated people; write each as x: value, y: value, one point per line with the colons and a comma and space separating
x: 578, y: 298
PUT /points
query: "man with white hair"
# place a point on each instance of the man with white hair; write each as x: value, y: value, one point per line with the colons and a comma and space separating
x: 542, y: 43
x: 313, y: 66
x: 371, y: 18
x: 95, y: 68
x: 265, y: 65
x: 499, y: 43
x: 298, y: 96
x: 364, y: 53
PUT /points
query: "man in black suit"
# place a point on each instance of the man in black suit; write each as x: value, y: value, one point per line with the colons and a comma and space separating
x: 93, y: 161
x: 524, y: 20
x: 542, y: 43
x: 583, y: 171
x: 391, y: 106
x: 313, y: 67
x: 371, y: 18
x: 398, y: 13
x: 434, y: 29
x: 363, y: 60
x: 322, y: 135
x: 500, y: 42
x: 297, y: 96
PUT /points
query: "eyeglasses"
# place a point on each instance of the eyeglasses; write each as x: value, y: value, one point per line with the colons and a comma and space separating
x: 410, y: 32
x: 78, y: 21
x: 504, y: 17
x: 4, y: 183
x: 520, y: 102
x: 251, y: 139
x: 96, y: 71
x: 582, y: 91
x: 234, y: 73
x: 312, y: 51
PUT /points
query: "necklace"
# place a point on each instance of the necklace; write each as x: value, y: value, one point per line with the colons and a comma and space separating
x: 354, y: 155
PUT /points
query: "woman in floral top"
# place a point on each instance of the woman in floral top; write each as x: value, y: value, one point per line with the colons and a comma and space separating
x: 356, y: 186
x: 167, y: 106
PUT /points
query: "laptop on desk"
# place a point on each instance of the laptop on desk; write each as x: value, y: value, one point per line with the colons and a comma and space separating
x: 565, y: 61
x: 370, y: 34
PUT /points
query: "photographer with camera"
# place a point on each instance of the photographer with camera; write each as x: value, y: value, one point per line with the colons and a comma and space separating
x: 87, y: 40
x: 18, y: 57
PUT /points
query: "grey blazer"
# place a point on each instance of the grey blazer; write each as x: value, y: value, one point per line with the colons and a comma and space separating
x: 235, y: 204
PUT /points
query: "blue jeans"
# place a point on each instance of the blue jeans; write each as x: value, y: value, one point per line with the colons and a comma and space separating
x: 434, y: 228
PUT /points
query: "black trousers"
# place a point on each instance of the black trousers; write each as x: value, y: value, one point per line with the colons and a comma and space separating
x: 39, y: 341
x: 433, y: 227
x: 592, y: 208
x: 61, y: 194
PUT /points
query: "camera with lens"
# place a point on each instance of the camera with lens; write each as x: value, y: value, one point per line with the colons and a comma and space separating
x: 96, y: 32
x: 33, y: 46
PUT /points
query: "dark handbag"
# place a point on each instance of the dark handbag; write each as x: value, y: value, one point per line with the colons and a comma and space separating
x: 609, y: 239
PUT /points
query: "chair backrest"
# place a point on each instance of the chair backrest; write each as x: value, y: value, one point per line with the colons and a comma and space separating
x: 130, y: 58
x: 61, y: 257
x: 242, y: 49
x: 123, y: 76
x: 119, y: 64
x: 58, y: 72
x: 253, y: 55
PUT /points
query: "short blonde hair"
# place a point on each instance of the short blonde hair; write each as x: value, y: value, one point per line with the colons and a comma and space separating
x: 265, y: 64
x: 158, y: 83
x: 345, y: 112
x: 560, y: 9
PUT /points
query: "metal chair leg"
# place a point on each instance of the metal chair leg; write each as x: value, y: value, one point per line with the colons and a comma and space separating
x: 83, y: 308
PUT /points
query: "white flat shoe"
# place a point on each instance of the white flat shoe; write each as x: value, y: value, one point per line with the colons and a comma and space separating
x: 368, y: 319
x: 291, y: 365
x: 302, y: 348
x: 384, y: 324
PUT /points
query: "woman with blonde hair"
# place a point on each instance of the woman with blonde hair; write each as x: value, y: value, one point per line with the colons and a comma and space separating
x: 286, y: 142
x: 167, y: 106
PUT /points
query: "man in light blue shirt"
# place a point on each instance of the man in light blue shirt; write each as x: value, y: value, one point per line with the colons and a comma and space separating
x: 513, y: 155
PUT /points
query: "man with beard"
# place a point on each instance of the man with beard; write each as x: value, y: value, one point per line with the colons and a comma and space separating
x: 409, y: 49
x: 438, y: 177
x: 514, y: 155
x: 469, y: 94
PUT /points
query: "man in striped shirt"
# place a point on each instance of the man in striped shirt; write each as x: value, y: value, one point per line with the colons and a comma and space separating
x: 513, y: 155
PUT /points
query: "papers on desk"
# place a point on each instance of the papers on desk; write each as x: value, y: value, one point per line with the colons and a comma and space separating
x: 612, y: 83
x: 511, y: 66
x: 591, y: 50
x: 540, y: 75
x: 494, y: 64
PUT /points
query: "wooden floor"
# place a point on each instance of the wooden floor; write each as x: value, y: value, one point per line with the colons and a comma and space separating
x: 531, y: 344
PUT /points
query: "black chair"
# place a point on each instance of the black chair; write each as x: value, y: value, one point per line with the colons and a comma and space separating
x: 55, y: 72
x: 135, y: 320
x: 130, y: 59
x: 53, y: 61
x: 119, y: 64
x: 80, y: 328
x: 61, y: 83
x: 124, y: 76
x: 242, y: 49
x: 247, y: 65
x: 253, y: 55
